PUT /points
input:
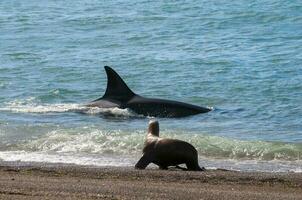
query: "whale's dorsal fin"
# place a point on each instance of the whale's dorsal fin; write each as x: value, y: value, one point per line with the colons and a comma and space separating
x: 117, y: 89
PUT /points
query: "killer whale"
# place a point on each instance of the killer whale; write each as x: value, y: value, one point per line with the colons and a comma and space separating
x: 118, y: 94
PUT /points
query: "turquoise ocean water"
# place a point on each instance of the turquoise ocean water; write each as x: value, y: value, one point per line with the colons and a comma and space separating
x: 244, y: 59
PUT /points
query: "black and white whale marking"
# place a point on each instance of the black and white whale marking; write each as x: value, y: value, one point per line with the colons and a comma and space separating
x: 119, y: 95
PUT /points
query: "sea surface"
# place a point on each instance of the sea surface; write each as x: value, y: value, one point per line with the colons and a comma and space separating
x: 242, y: 58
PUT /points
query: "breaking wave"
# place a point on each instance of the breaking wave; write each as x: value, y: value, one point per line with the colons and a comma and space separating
x: 92, y: 140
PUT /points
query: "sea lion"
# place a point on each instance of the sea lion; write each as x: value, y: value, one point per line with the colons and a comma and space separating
x: 166, y: 152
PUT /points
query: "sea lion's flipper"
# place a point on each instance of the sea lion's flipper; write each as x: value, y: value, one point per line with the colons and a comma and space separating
x: 194, y: 166
x: 202, y: 169
x: 145, y: 160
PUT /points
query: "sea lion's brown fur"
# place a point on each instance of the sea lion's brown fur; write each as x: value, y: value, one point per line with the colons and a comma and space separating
x: 166, y: 152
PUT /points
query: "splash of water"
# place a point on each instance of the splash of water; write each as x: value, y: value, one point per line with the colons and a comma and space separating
x: 29, y: 106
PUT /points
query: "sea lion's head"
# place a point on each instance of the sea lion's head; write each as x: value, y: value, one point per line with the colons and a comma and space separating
x: 153, y: 128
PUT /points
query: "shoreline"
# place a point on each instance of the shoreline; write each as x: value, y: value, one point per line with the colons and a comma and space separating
x: 57, y: 181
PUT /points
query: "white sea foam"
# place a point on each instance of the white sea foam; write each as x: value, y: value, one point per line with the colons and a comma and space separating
x: 66, y: 158
x: 129, y: 160
x: 13, y: 107
x: 29, y: 106
x: 93, y: 146
x: 93, y: 142
x: 95, y: 139
x: 110, y: 111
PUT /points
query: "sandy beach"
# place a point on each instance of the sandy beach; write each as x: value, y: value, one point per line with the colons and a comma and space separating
x: 33, y: 181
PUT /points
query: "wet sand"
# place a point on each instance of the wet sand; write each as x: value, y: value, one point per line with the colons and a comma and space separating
x: 82, y: 182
